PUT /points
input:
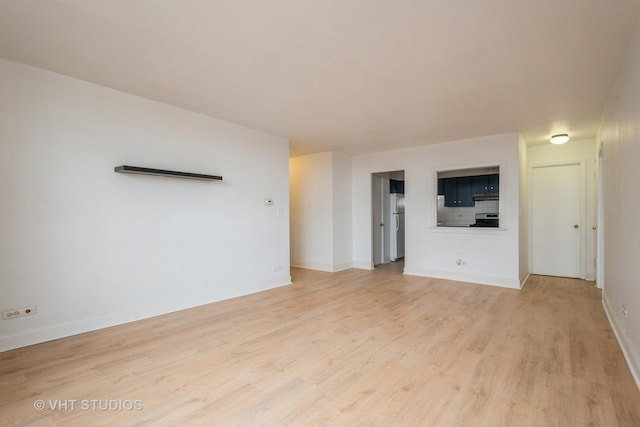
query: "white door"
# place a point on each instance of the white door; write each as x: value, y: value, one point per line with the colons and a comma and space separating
x: 377, y: 218
x: 556, y: 228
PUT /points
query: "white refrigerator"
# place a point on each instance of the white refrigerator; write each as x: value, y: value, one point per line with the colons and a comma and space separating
x: 396, y: 238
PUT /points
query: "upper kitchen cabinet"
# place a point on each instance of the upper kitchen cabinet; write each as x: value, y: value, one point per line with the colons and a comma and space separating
x: 458, y: 191
x: 396, y: 186
x: 485, y: 184
x: 494, y: 183
x: 449, y: 190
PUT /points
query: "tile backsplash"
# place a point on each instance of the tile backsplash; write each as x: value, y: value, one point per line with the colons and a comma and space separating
x: 464, y: 217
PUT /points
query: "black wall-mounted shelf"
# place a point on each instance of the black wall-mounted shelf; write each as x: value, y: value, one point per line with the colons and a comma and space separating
x: 163, y: 172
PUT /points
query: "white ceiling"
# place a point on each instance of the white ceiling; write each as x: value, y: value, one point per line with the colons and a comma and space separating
x: 348, y: 75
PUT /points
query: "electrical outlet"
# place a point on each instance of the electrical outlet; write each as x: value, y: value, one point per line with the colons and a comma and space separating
x: 277, y: 268
x: 18, y: 312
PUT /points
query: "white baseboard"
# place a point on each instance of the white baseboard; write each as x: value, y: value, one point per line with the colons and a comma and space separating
x: 62, y: 330
x: 330, y: 268
x: 275, y: 283
x: 628, y: 350
x: 362, y: 265
x: 524, y: 279
x: 470, y: 278
x: 313, y: 266
x: 341, y: 267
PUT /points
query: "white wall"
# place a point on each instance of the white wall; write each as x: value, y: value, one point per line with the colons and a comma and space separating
x: 620, y: 136
x: 490, y: 255
x: 311, y: 192
x: 524, y: 211
x: 93, y: 248
x: 321, y: 211
x: 583, y: 152
x: 342, y: 254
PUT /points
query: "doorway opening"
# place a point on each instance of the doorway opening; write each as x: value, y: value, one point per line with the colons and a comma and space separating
x: 388, y: 219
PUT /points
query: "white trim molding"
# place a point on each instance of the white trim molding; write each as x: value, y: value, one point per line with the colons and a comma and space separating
x: 62, y: 330
x: 629, y: 352
x: 469, y: 278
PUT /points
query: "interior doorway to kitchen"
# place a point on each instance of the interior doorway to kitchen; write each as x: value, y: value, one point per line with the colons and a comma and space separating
x: 388, y: 219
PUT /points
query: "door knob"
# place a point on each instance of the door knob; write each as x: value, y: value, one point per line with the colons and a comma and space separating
x: 594, y: 228
x: 381, y: 224
x: 576, y: 226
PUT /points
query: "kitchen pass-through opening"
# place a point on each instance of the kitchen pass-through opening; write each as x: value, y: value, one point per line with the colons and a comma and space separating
x: 469, y: 197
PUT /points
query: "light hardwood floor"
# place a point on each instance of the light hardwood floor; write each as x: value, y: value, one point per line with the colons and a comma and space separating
x: 354, y: 348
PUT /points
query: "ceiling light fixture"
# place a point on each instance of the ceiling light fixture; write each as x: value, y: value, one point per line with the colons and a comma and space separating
x: 560, y: 138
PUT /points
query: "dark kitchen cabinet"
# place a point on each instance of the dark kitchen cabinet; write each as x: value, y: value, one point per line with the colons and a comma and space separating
x: 396, y: 186
x: 494, y: 183
x: 458, y: 192
x: 465, y: 192
x: 450, y: 188
x: 485, y: 184
x: 480, y: 184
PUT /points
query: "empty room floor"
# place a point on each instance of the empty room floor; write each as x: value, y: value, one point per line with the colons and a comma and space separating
x: 357, y: 347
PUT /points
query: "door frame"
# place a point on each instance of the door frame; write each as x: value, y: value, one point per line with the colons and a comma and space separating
x: 582, y: 206
x: 600, y: 218
x: 377, y: 185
